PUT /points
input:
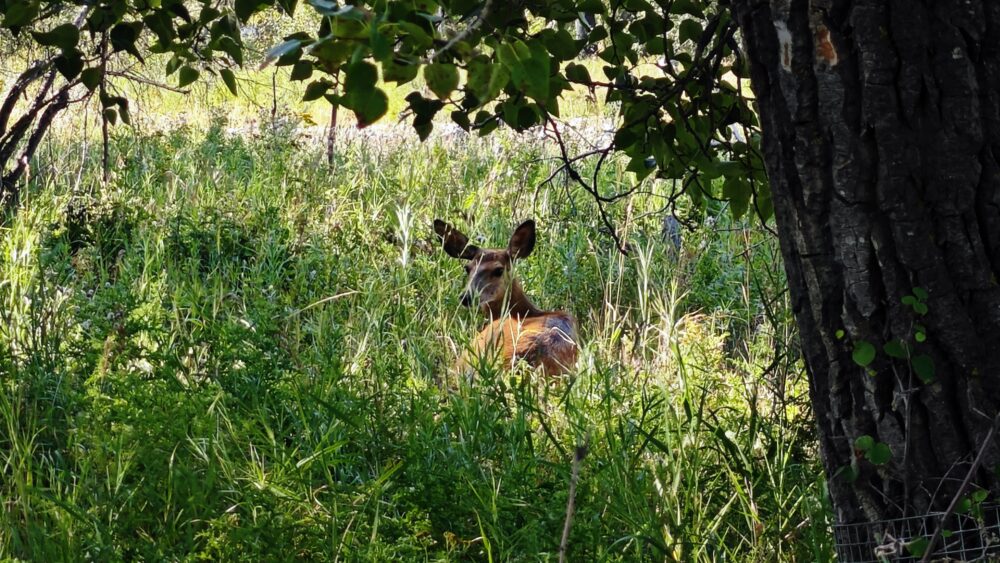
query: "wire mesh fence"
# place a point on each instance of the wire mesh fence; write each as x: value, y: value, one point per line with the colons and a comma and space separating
x: 972, y: 536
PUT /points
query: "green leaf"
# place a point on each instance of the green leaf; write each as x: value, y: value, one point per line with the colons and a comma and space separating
x: 479, y: 71
x: 288, y: 6
x: 895, y: 349
x: 918, y: 547
x: 19, y: 14
x: 246, y: 8
x: 123, y: 111
x: 864, y: 443
x: 498, y: 81
x: 64, y: 36
x: 879, y: 454
x: 423, y: 129
x: 763, y: 202
x: 689, y: 7
x: 361, y: 77
x: 863, y: 354
x: 536, y: 73
x: 160, y: 23
x: 229, y: 79
x: 91, y: 77
x: 923, y: 366
x: 963, y: 506
x: 316, y: 89
x: 561, y: 45
x: 381, y: 45
x: 839, y: 334
x: 281, y: 50
x: 110, y: 115
x: 123, y: 37
x: 690, y: 30
x: 69, y: 64
x: 527, y: 117
x: 370, y: 107
x: 640, y: 167
x: 230, y: 46
x: 415, y: 35
x: 442, y: 79
x: 848, y: 473
x: 592, y: 7
x: 578, y: 73
x: 529, y: 67
x: 461, y: 118
x: 399, y: 71
x: 737, y: 191
x: 301, y: 70
x: 921, y: 293
x: 980, y: 495
x: 187, y: 76
x: 208, y: 14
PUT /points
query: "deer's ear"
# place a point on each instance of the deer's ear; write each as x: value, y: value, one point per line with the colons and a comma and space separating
x: 522, y: 242
x: 455, y: 243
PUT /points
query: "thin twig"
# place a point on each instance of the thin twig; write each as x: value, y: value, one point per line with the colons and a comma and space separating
x: 598, y: 199
x: 581, y: 452
x: 148, y: 81
x: 464, y: 33
x: 331, y: 135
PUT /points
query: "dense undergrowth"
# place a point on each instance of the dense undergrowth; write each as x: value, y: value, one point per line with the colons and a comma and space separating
x: 231, y: 352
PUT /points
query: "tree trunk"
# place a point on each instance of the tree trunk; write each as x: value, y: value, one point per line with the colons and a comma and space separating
x: 881, y: 137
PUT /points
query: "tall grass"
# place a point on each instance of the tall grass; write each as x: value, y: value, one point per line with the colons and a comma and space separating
x: 233, y: 352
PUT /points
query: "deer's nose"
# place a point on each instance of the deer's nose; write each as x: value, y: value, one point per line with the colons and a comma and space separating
x: 466, y: 299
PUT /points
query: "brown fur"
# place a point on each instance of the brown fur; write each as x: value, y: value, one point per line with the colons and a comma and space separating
x: 517, y: 329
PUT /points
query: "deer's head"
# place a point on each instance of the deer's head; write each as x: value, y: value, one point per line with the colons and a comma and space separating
x: 489, y: 278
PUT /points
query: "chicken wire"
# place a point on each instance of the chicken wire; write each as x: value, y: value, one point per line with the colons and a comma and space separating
x: 974, y: 536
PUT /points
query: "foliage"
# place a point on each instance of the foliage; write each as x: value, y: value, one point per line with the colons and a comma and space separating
x: 232, y: 353
x: 671, y: 66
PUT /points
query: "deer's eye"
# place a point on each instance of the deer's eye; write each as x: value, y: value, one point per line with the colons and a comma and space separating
x: 497, y: 272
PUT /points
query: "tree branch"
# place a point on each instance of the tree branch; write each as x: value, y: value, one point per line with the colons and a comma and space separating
x: 8, y: 190
x: 17, y: 90
x: 592, y: 190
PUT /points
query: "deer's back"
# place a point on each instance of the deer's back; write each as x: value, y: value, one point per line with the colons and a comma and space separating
x: 548, y: 341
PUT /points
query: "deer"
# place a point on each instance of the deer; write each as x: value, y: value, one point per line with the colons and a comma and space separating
x: 516, y: 329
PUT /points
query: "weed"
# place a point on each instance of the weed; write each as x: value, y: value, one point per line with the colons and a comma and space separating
x: 233, y: 352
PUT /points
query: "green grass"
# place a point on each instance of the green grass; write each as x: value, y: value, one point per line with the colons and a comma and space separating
x: 234, y: 353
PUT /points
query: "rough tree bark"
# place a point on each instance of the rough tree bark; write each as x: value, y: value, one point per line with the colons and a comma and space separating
x: 881, y: 136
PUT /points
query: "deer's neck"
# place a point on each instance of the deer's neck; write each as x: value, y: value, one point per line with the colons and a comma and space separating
x: 517, y: 305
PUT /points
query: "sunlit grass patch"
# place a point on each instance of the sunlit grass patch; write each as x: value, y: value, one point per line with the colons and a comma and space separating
x: 236, y: 351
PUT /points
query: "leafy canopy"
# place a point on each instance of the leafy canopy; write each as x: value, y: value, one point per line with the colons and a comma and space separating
x: 672, y: 66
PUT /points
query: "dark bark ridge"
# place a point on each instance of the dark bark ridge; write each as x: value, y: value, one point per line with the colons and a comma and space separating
x: 881, y: 136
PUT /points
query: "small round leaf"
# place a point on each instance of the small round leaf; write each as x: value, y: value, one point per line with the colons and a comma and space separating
x: 918, y: 547
x: 864, y: 353
x: 864, y: 443
x: 923, y: 366
x: 879, y: 454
